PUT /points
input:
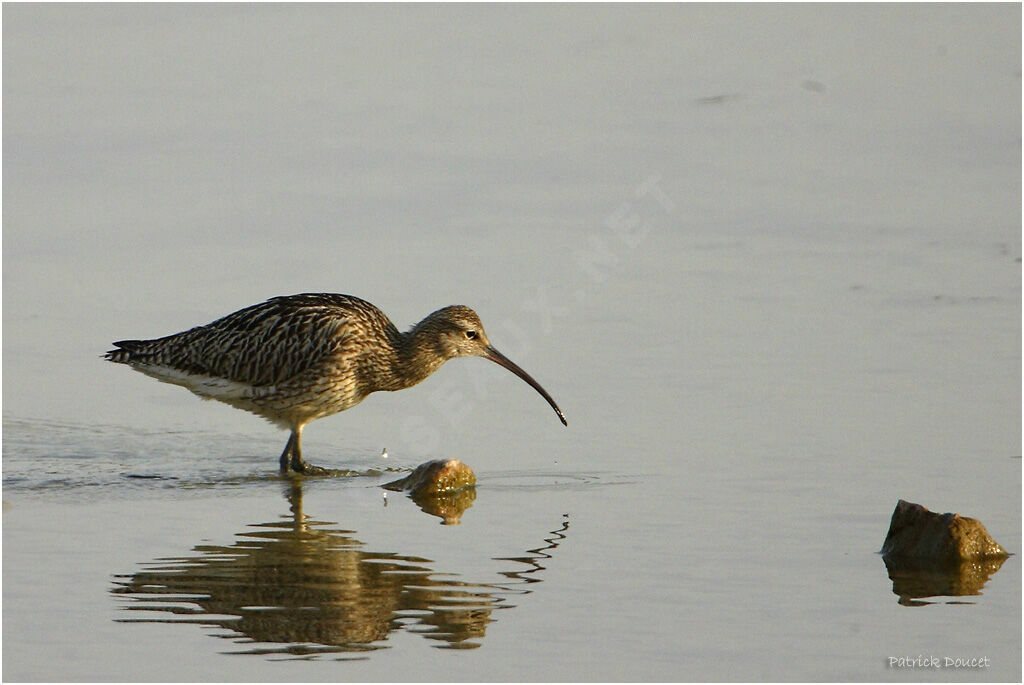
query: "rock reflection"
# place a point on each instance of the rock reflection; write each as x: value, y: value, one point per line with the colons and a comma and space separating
x: 915, y: 579
x: 295, y: 587
x: 447, y: 506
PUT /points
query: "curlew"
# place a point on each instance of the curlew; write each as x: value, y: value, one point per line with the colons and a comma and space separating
x: 298, y: 358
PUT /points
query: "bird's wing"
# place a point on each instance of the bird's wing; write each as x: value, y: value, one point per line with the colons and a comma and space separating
x: 264, y: 344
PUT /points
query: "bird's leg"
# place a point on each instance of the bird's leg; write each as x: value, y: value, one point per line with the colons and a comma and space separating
x: 286, y: 455
x: 297, y: 464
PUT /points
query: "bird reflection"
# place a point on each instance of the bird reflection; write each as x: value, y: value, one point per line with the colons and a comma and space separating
x: 296, y: 587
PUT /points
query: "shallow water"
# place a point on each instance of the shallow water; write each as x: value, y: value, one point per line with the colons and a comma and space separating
x: 766, y: 259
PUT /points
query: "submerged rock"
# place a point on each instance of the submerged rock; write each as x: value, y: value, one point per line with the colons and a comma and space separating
x: 929, y: 554
x: 443, y: 488
x: 917, y: 533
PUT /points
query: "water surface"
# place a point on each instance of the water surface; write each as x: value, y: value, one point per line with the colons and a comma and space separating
x: 766, y: 259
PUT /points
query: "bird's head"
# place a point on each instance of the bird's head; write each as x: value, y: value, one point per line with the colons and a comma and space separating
x: 457, y: 331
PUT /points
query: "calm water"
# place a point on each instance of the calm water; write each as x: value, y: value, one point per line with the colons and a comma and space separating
x: 767, y: 260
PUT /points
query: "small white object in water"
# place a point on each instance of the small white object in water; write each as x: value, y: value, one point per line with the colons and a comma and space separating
x: 384, y: 453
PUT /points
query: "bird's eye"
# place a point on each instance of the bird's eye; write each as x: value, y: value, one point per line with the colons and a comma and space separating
x: 471, y: 335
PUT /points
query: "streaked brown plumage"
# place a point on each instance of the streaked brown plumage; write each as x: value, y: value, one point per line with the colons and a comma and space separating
x: 298, y: 358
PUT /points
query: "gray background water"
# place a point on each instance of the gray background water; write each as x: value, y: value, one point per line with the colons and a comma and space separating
x: 766, y: 258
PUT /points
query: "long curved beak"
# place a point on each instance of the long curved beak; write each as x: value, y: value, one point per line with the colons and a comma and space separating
x: 499, y: 358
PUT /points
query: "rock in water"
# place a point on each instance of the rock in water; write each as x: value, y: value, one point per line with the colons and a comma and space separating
x: 443, y: 488
x: 435, y: 477
x: 917, y: 533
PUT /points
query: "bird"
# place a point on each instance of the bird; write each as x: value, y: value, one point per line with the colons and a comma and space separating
x: 297, y: 358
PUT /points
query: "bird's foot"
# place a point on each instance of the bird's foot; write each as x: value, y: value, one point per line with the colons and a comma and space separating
x: 301, y: 468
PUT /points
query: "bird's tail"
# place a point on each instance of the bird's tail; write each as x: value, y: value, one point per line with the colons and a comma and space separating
x: 129, y: 351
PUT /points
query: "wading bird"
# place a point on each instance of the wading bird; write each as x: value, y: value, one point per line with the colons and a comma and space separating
x: 298, y: 358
